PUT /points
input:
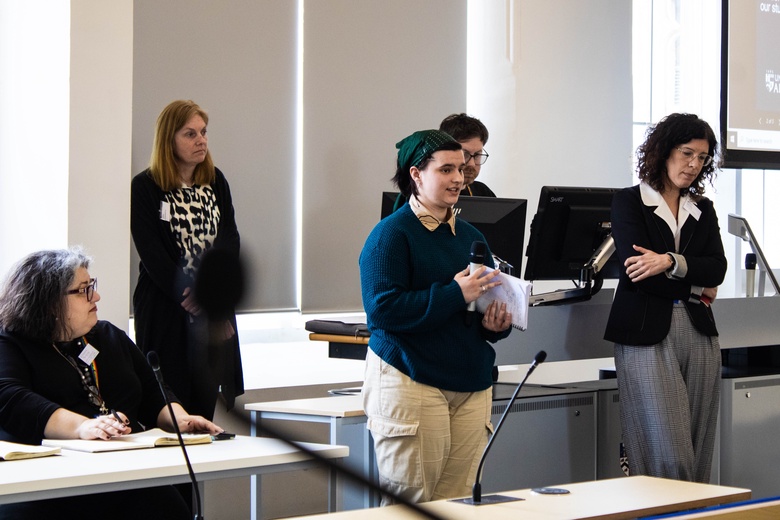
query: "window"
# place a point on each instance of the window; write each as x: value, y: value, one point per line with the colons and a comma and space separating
x: 676, y: 68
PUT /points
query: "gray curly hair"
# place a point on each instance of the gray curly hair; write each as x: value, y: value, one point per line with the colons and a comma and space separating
x: 32, y: 300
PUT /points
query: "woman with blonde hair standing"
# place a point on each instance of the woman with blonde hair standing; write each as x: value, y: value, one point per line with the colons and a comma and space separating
x: 181, y: 208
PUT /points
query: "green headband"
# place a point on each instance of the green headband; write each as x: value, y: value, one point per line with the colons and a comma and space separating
x: 413, y: 149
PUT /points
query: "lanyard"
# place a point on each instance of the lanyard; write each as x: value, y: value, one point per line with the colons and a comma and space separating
x: 93, y: 391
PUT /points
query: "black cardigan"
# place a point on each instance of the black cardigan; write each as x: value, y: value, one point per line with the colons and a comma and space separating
x: 160, y: 320
x: 35, y: 381
x: 642, y: 311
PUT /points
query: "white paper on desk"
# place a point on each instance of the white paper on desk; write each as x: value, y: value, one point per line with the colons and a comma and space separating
x: 147, y: 439
x: 512, y: 291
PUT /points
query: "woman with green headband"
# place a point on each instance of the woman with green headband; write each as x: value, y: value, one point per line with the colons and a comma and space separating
x: 428, y: 385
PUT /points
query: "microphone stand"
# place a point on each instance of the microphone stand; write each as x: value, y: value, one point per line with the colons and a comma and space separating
x: 476, y: 492
x: 154, y: 361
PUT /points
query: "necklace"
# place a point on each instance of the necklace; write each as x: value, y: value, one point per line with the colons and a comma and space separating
x: 89, y: 377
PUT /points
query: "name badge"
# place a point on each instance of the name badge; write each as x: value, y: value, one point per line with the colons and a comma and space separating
x: 165, y: 211
x: 88, y: 354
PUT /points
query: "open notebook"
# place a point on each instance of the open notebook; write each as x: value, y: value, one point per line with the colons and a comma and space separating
x: 148, y: 439
x: 15, y: 451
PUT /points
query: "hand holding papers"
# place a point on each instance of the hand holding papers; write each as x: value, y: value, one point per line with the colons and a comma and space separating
x: 514, y: 292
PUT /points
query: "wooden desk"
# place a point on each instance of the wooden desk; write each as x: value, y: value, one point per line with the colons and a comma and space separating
x: 613, y: 499
x: 347, y: 421
x: 77, y: 473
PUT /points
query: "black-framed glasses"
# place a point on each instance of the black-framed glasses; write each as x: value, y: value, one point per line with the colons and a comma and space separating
x: 689, y: 154
x: 479, y: 158
x: 88, y: 290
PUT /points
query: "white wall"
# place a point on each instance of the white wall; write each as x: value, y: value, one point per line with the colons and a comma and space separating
x: 64, y: 135
x: 100, y: 129
x: 34, y: 61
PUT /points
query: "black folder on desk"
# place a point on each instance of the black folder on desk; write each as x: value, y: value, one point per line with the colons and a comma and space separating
x: 338, y: 328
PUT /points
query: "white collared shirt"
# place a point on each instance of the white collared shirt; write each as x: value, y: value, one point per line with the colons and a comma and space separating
x: 427, y: 219
x: 688, y: 208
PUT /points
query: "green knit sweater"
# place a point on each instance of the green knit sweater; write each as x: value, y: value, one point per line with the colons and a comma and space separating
x: 414, y: 308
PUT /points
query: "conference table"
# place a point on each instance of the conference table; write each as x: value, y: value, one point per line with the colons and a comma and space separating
x: 611, y: 499
x: 78, y: 473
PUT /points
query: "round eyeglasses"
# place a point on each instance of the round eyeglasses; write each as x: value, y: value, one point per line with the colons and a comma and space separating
x: 689, y: 154
x: 479, y: 158
x: 88, y: 290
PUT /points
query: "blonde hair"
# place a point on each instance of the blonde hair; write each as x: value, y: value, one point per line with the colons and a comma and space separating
x: 162, y: 164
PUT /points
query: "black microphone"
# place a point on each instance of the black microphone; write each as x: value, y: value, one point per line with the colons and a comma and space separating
x: 154, y: 362
x: 476, y: 260
x: 750, y: 274
x: 476, y: 492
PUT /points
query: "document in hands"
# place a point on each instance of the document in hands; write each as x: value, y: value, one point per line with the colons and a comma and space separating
x: 514, y: 292
x: 148, y: 439
x: 15, y: 451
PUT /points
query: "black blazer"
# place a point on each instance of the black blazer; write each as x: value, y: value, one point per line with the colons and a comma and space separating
x: 641, y: 312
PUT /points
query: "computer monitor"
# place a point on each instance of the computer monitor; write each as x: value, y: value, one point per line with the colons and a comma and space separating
x: 570, y: 224
x: 502, y: 221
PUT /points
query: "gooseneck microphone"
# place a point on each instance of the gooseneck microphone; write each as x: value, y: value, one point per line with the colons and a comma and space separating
x: 750, y: 274
x: 476, y: 260
x: 476, y: 492
x: 154, y: 362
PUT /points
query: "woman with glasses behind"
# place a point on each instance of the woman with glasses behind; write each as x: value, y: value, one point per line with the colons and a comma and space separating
x: 66, y: 375
x: 181, y: 208
x: 472, y: 135
x: 667, y: 353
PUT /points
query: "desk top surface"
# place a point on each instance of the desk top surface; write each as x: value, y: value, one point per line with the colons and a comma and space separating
x: 612, y: 499
x: 79, y: 470
x: 333, y: 406
x: 352, y: 405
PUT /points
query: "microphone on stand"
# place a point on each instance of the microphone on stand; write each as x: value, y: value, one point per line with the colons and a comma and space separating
x: 154, y: 362
x: 476, y: 260
x: 750, y: 274
x: 476, y: 492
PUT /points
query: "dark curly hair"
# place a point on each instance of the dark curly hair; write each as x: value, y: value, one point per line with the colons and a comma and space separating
x: 662, y: 140
x: 464, y: 127
x: 33, y: 298
x: 403, y: 177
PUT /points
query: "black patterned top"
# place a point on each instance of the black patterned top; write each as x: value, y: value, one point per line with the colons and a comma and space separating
x: 194, y: 221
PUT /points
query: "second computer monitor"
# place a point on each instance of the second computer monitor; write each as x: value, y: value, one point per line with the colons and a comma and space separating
x: 569, y: 226
x: 502, y: 221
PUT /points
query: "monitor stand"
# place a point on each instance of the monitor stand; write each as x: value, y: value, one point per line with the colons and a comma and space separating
x: 590, y: 282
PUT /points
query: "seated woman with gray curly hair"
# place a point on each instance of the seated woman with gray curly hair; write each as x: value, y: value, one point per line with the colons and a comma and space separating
x: 66, y: 375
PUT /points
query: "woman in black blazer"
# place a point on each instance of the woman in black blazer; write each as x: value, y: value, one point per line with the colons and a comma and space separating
x: 667, y: 353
